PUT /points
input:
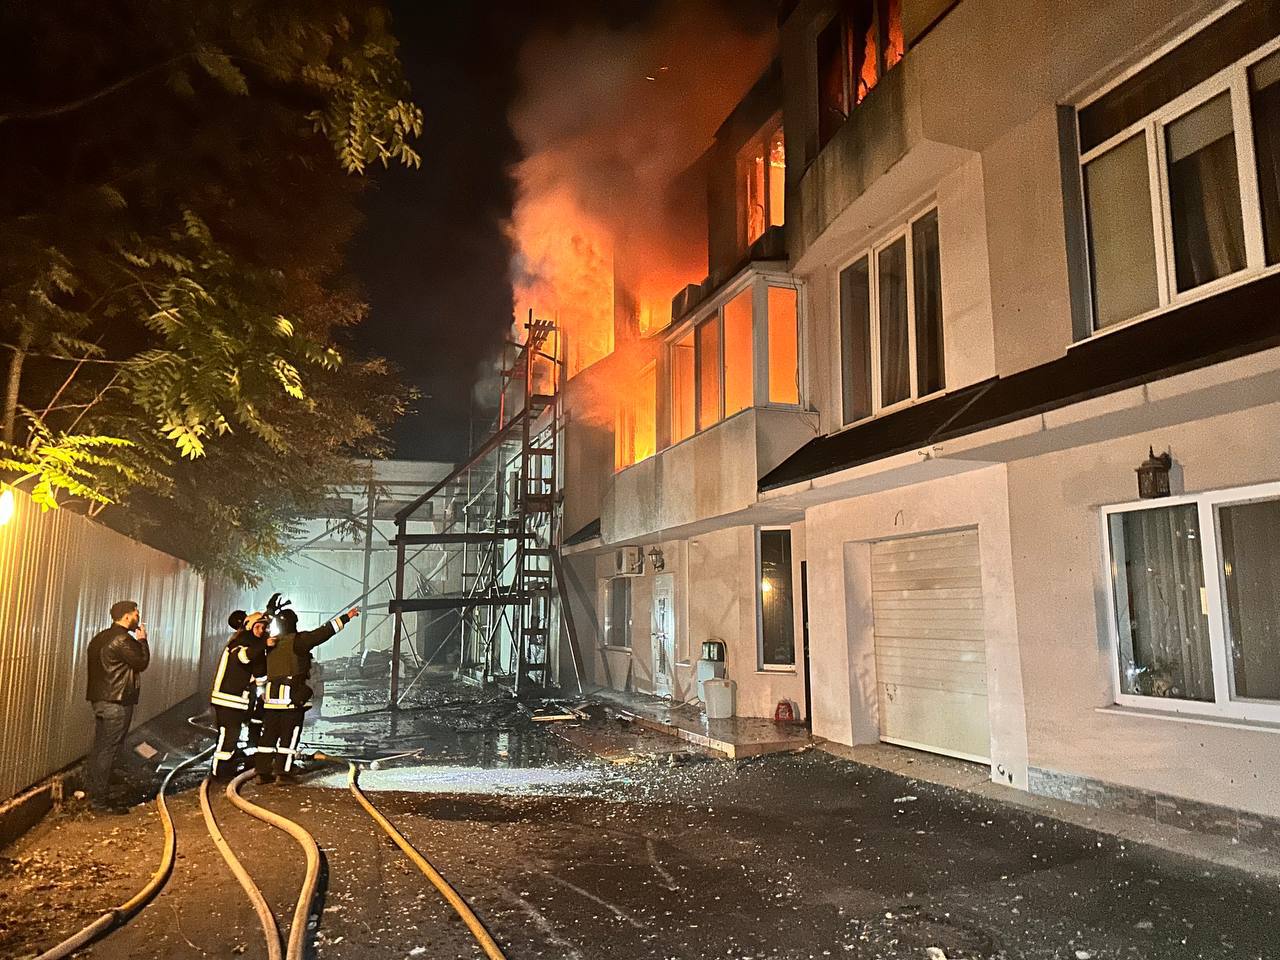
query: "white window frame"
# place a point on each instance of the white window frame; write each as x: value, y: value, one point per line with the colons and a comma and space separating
x: 758, y: 575
x: 899, y: 231
x: 757, y: 284
x: 1207, y: 505
x: 1234, y: 80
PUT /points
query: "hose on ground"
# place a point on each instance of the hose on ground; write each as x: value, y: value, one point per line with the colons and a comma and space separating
x: 455, y: 900
x: 269, y: 929
x: 113, y: 918
x: 298, y: 931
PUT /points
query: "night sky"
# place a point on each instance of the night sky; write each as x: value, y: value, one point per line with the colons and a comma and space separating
x: 432, y: 258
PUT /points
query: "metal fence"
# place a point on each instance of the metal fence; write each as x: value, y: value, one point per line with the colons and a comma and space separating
x: 59, y: 575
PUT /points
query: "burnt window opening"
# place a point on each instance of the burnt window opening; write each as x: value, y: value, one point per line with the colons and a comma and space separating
x: 762, y: 184
x: 859, y: 46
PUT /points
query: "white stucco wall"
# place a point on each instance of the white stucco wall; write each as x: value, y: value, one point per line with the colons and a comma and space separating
x: 1062, y: 596
x: 842, y: 642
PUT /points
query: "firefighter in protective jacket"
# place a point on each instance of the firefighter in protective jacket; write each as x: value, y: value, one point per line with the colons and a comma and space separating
x: 288, y: 695
x: 242, y: 666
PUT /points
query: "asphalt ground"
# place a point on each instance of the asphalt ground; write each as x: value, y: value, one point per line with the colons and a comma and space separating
x: 565, y: 855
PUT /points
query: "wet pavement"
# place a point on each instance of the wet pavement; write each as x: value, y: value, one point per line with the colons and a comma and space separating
x: 664, y: 855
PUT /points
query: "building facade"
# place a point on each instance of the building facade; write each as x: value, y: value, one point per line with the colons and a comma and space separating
x: 896, y: 439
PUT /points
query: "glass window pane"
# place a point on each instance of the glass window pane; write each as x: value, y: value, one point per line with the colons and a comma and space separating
x: 895, y: 359
x: 645, y: 444
x: 777, y: 614
x: 1122, y: 249
x: 624, y: 426
x: 855, y: 340
x: 617, y: 626
x: 1161, y: 617
x: 1204, y: 194
x: 1250, y: 538
x: 739, y: 375
x: 709, y: 373
x: 833, y: 99
x: 1264, y: 94
x: 784, y: 353
x: 930, y: 377
x: 682, y: 389
x: 777, y: 179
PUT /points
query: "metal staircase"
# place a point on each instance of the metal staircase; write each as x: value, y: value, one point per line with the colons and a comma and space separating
x: 501, y: 566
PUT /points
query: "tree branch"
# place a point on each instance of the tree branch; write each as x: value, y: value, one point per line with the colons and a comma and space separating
x: 73, y: 105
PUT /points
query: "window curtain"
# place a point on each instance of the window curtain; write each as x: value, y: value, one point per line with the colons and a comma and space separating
x: 895, y: 359
x: 1265, y: 83
x: 1164, y: 631
x: 1204, y: 189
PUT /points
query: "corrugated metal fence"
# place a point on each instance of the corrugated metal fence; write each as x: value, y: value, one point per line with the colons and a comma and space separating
x: 59, y: 575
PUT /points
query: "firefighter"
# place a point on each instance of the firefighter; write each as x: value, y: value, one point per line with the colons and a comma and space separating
x: 234, y: 692
x: 287, y: 694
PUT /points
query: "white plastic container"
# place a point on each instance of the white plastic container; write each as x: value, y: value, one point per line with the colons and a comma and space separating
x: 720, y: 696
x: 708, y: 670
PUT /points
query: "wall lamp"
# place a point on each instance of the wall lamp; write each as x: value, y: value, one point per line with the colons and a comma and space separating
x: 8, y: 506
x: 1153, y: 475
x: 656, y: 560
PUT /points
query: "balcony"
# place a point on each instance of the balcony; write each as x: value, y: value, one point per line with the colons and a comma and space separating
x: 702, y: 482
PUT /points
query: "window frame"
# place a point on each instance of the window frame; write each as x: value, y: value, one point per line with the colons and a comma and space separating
x: 1207, y: 504
x: 757, y: 284
x: 899, y: 231
x: 849, y: 82
x: 609, y: 585
x: 758, y: 576
x: 761, y: 139
x: 1234, y: 80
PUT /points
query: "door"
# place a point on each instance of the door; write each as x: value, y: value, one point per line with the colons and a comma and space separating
x: 664, y: 634
x: 931, y: 658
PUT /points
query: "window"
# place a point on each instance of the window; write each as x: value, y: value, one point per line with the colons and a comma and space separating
x: 784, y: 346
x: 1195, y: 605
x: 744, y: 354
x: 1264, y: 102
x: 862, y: 43
x: 617, y: 615
x: 683, y: 400
x: 891, y: 338
x: 708, y: 346
x: 762, y: 184
x: 739, y: 373
x: 777, y: 610
x: 635, y: 432
x: 1168, y: 185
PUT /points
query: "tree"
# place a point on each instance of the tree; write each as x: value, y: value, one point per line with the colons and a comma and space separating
x: 178, y: 184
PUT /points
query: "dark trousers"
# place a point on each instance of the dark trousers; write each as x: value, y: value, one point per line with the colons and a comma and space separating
x: 110, y: 727
x: 227, y: 755
x: 281, y: 730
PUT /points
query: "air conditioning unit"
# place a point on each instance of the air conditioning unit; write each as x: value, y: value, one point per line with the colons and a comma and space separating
x: 628, y: 562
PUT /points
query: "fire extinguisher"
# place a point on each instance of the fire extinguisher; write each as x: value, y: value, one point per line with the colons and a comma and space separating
x: 784, y: 712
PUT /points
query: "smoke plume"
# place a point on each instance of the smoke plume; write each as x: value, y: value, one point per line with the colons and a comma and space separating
x: 608, y: 212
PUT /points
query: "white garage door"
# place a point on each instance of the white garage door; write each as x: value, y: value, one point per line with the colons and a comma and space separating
x: 931, y: 660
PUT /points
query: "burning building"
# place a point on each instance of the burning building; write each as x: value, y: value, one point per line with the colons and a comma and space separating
x: 885, y: 451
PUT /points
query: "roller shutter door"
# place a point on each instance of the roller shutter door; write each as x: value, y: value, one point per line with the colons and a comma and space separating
x: 931, y: 660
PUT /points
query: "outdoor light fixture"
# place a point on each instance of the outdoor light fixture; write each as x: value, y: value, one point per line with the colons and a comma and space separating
x: 656, y: 560
x: 1153, y: 475
x: 7, y: 506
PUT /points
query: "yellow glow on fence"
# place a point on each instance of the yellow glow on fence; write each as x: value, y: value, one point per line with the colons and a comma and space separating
x: 7, y: 506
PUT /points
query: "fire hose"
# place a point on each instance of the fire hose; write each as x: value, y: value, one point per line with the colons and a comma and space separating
x: 269, y: 929
x: 460, y: 906
x: 301, y: 911
x: 113, y: 918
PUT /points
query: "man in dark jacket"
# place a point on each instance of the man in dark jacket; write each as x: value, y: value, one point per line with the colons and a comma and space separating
x: 288, y: 695
x: 117, y: 656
